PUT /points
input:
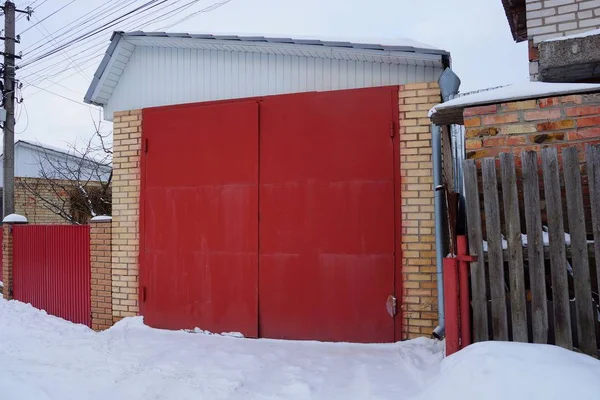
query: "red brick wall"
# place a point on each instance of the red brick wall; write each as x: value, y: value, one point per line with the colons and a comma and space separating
x: 518, y: 126
x: 532, y: 125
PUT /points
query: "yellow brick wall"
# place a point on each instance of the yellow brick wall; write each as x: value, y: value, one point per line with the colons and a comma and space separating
x: 32, y: 207
x: 7, y: 262
x: 127, y: 133
x: 419, y: 285
x: 101, y: 276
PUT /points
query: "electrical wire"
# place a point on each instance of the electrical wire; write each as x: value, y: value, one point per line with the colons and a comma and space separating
x: 134, y: 23
x: 55, y: 12
x: 212, y: 7
x: 146, y: 6
x: 89, y: 15
x: 64, y: 97
x: 85, y: 58
x: 64, y: 52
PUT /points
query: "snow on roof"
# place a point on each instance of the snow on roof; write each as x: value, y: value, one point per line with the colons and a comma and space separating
x: 382, y: 44
x: 42, y: 146
x: 70, y: 153
x: 515, y: 92
x: 575, y: 35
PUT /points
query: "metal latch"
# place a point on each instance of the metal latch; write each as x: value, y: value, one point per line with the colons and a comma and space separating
x: 390, y: 306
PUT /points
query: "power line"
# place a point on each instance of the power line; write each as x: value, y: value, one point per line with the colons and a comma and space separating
x: 42, y: 20
x: 90, y: 17
x: 65, y: 52
x: 138, y: 23
x: 146, y: 6
x: 212, y: 7
x: 64, y: 97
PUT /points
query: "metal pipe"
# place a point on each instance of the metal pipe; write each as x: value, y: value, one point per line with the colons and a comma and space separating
x: 436, y: 144
x: 449, y: 84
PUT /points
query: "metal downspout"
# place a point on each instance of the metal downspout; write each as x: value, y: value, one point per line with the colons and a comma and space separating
x: 449, y: 84
x: 436, y: 144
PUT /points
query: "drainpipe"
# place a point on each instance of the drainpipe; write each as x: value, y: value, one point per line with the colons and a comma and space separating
x: 449, y: 84
x: 436, y: 143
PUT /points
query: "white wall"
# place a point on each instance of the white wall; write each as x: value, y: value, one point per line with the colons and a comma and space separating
x: 156, y: 76
x: 28, y: 164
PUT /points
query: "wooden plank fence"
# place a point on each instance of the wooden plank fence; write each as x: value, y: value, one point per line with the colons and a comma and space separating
x: 515, y: 293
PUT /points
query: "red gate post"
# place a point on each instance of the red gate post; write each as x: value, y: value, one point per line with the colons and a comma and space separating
x: 451, y: 305
x: 101, y: 274
x: 7, y: 252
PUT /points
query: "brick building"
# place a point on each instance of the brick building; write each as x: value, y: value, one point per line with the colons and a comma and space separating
x: 335, y: 239
x: 44, y: 176
x: 563, y: 37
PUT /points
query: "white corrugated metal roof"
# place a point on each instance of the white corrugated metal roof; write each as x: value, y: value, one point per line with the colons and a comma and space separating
x: 400, y: 51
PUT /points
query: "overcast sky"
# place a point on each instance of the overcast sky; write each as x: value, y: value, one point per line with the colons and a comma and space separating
x: 475, y: 32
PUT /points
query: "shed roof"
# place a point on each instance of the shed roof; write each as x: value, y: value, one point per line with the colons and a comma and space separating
x: 122, y: 45
x: 451, y: 112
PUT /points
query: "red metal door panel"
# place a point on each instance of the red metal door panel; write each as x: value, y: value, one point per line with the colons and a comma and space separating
x: 327, y: 230
x: 52, y: 269
x: 199, y: 216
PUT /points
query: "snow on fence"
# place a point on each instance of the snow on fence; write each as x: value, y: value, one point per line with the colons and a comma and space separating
x: 523, y: 290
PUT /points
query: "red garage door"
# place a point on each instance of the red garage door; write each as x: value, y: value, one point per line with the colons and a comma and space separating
x: 199, y: 232
x: 273, y: 217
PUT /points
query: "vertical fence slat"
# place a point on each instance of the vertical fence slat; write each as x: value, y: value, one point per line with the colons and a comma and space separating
x: 477, y: 268
x: 494, y: 237
x: 592, y: 157
x: 558, y: 259
x: 586, y: 329
x: 535, y: 247
x: 516, y: 273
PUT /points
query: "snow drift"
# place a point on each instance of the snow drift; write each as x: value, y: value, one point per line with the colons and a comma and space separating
x: 46, y: 358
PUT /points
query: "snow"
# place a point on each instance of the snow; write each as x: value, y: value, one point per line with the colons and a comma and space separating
x: 46, y: 358
x: 575, y: 35
x: 524, y: 240
x: 43, y: 357
x: 508, y: 370
x: 15, y: 219
x: 520, y: 91
x: 101, y: 218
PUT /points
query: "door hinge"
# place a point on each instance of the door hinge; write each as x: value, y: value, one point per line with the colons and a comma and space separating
x: 392, y: 130
x: 146, y: 146
x: 390, y: 306
x: 144, y: 294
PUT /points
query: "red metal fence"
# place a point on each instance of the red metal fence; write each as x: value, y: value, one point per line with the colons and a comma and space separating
x: 52, y: 269
x: 1, y: 255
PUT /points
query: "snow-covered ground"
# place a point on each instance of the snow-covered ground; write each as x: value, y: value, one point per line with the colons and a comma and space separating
x: 43, y: 357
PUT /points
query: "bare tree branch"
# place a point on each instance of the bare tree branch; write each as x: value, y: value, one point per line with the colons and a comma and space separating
x: 75, y: 184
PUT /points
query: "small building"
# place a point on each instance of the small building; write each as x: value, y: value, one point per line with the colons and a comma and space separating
x: 563, y: 37
x: 275, y: 187
x: 45, y: 176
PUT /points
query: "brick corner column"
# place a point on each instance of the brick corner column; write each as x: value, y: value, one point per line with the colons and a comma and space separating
x: 419, y: 280
x: 101, y: 277
x: 127, y: 144
x: 7, y: 253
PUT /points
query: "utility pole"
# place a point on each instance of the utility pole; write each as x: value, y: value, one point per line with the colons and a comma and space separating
x: 10, y: 39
